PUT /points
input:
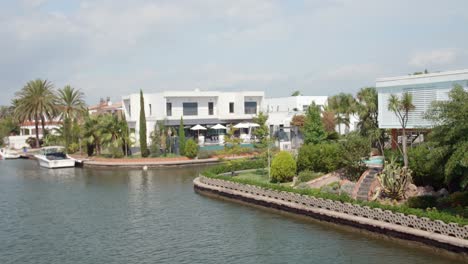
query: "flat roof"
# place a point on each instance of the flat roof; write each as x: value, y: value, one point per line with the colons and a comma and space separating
x: 443, y: 76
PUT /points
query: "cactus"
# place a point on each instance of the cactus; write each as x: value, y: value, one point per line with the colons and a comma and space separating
x: 394, y: 179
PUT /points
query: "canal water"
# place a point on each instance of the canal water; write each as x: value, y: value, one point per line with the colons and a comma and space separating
x: 131, y: 216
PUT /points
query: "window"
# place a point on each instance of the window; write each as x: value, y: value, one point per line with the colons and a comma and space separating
x: 231, y: 107
x: 190, y: 109
x: 250, y: 107
x: 129, y: 110
x: 305, y: 107
x: 210, y: 108
x: 151, y: 110
x: 169, y: 109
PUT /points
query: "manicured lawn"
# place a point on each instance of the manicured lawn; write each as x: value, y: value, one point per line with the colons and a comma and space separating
x: 259, y: 176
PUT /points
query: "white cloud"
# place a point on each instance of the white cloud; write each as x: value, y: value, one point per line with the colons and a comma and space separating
x: 351, y: 72
x: 437, y: 57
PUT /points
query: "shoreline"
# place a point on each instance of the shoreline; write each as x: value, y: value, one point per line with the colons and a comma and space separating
x: 153, y: 162
x: 278, y: 201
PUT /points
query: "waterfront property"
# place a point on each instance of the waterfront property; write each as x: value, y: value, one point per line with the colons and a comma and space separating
x: 424, y: 88
x: 281, y: 111
x: 205, y: 108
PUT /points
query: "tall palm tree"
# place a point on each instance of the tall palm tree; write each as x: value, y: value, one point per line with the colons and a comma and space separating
x: 344, y: 105
x: 367, y: 109
x: 401, y: 107
x: 71, y: 102
x: 72, y: 106
x: 36, y: 101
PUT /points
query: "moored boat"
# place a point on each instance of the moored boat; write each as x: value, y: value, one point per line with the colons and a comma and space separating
x: 54, y: 157
x: 8, y: 154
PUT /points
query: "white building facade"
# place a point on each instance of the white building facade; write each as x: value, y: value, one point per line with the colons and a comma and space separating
x: 281, y: 111
x: 205, y: 108
x: 425, y: 88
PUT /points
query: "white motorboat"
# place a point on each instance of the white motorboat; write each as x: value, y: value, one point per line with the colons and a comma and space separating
x: 54, y: 157
x: 8, y: 154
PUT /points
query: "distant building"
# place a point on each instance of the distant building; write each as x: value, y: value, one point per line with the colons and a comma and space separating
x: 205, y: 108
x: 105, y: 107
x: 425, y: 88
x: 281, y: 111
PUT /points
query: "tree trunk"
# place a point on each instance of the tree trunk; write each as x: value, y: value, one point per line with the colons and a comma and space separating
x: 405, y: 153
x: 43, y: 125
x: 36, y: 124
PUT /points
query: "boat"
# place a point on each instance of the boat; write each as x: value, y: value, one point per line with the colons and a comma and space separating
x: 54, y: 157
x: 8, y: 154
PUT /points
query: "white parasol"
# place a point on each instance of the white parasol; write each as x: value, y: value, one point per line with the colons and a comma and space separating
x: 198, y: 128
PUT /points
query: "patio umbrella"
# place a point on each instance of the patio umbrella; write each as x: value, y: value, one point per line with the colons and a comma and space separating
x: 198, y: 128
x: 218, y: 126
x: 241, y: 125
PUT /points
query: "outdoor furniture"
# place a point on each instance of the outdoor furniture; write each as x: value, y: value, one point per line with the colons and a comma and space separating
x: 201, y: 138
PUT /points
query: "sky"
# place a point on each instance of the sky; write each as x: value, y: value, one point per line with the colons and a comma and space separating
x: 320, y: 47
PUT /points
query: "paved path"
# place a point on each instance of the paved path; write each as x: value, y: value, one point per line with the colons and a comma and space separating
x: 326, y: 179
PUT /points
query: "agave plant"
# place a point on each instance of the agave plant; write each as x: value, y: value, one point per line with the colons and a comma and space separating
x: 394, y: 180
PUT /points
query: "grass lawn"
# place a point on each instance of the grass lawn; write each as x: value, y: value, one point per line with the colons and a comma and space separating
x: 260, y: 176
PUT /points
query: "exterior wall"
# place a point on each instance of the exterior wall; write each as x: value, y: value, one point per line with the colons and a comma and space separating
x: 425, y: 89
x: 221, y: 114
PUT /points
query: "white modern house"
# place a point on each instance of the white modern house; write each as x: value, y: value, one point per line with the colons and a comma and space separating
x: 205, y: 108
x: 425, y: 88
x: 281, y: 111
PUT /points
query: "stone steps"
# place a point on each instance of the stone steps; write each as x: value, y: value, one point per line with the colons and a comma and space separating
x: 364, y: 187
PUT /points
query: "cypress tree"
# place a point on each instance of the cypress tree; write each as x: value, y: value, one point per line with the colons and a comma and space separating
x: 314, y: 131
x: 143, y: 144
x: 181, y: 137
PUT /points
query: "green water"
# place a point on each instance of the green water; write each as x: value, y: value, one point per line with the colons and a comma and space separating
x: 131, y: 216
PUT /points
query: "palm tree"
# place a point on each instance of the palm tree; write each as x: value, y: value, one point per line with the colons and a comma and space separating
x: 367, y: 109
x: 401, y: 108
x: 71, y: 104
x: 36, y: 101
x: 343, y: 105
x: 92, y: 134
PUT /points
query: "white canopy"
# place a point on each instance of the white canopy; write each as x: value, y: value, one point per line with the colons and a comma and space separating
x: 198, y: 127
x: 246, y: 125
x: 218, y: 126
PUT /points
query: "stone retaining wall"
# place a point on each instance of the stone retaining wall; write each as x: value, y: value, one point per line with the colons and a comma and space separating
x: 386, y: 221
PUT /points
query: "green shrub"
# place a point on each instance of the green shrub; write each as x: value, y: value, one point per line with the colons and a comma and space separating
x: 427, y: 165
x: 307, y: 175
x: 115, y: 151
x: 283, y: 167
x: 206, y: 154
x: 355, y: 148
x: 333, y: 188
x: 324, y: 157
x: 456, y: 199
x: 422, y: 202
x: 191, y: 149
x: 73, y: 148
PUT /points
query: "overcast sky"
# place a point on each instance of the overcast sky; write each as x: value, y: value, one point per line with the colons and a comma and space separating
x: 116, y: 47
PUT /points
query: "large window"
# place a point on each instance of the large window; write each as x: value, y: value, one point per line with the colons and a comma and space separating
x: 250, y: 107
x: 169, y: 109
x: 210, y: 108
x: 190, y: 109
x: 231, y: 107
x: 151, y: 110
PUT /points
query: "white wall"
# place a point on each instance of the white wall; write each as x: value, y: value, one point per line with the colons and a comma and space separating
x: 221, y: 100
x: 425, y: 89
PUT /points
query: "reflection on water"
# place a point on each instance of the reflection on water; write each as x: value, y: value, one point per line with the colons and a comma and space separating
x: 133, y: 216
